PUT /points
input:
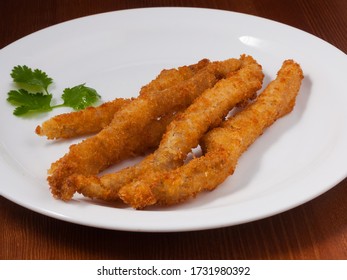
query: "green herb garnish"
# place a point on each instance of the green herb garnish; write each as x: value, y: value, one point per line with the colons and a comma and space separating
x: 36, y: 78
x: 79, y: 97
x: 26, y: 101
x: 34, y: 96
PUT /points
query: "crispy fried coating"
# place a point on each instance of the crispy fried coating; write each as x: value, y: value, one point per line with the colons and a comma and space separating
x: 78, y: 123
x: 222, y: 146
x: 129, y: 124
x: 170, y: 77
x: 93, y: 119
x: 183, y: 133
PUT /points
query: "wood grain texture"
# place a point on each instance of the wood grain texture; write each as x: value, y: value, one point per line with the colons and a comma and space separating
x: 315, y: 230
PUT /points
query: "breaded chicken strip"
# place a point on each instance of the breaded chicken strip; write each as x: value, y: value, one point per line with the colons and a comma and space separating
x: 129, y: 124
x: 93, y: 119
x: 78, y: 123
x: 171, y: 77
x: 183, y: 133
x: 223, y: 146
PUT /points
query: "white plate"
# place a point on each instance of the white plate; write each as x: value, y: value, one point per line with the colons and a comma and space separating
x: 300, y: 157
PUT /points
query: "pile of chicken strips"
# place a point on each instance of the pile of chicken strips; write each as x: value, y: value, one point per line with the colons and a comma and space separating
x: 181, y: 109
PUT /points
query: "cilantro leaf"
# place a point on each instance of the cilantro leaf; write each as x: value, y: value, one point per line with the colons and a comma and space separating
x: 27, y: 76
x: 33, y: 95
x: 79, y: 97
x: 26, y: 101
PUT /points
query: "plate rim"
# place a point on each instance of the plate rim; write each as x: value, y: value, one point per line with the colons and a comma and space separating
x: 167, y: 228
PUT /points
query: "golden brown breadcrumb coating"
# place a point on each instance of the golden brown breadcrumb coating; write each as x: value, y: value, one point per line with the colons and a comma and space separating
x: 182, y: 134
x: 223, y: 146
x: 121, y: 137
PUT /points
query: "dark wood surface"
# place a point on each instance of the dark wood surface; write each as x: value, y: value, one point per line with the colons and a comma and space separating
x: 315, y: 230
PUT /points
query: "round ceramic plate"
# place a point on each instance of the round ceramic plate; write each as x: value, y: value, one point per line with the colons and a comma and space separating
x: 300, y: 157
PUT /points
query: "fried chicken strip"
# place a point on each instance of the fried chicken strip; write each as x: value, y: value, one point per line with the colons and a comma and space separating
x: 222, y: 146
x: 93, y: 119
x: 183, y: 133
x: 78, y: 123
x: 122, y: 136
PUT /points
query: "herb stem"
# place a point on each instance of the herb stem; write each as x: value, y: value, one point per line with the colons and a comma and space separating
x: 58, y: 106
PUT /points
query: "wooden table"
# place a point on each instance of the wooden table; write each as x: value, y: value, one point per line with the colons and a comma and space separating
x: 315, y: 230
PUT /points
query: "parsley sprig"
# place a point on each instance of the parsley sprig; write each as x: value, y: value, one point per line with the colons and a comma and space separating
x: 33, y: 94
